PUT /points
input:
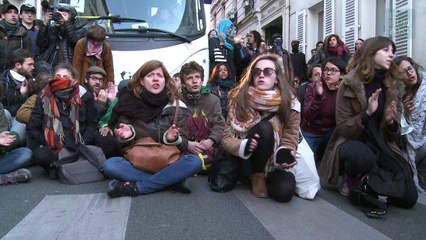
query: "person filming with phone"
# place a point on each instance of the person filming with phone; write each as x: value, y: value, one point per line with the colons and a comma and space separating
x: 263, y: 128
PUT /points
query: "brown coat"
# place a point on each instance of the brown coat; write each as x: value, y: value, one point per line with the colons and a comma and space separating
x: 81, y: 62
x: 289, y: 135
x: 350, y: 107
x: 24, y: 112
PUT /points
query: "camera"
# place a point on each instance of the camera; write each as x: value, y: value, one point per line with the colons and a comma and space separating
x: 55, y: 18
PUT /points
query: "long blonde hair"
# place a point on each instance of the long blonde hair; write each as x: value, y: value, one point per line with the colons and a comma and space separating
x: 239, y: 95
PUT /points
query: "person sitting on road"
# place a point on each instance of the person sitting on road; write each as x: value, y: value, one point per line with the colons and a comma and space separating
x: 64, y: 117
x: 15, y: 87
x: 146, y: 108
x: 363, y: 145
x: 206, y: 123
x: 263, y: 128
x: 319, y: 118
x: 414, y: 113
x: 220, y: 83
x: 12, y: 162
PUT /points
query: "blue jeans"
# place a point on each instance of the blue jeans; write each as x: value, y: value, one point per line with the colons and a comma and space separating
x: 121, y: 169
x: 317, y: 141
x: 15, y: 159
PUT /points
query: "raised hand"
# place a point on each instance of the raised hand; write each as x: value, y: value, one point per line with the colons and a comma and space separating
x: 102, y: 96
x: 24, y: 88
x: 373, y: 102
x: 408, y: 106
x: 391, y: 113
x: 111, y: 92
x: 104, y: 131
x: 319, y: 87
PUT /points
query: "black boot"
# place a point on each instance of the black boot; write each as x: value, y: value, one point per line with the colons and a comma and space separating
x: 181, y: 187
x: 119, y: 189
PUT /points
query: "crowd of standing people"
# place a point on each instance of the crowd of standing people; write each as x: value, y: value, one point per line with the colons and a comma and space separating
x: 362, y: 125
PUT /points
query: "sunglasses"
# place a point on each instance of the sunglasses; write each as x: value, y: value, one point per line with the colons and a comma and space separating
x: 266, y: 71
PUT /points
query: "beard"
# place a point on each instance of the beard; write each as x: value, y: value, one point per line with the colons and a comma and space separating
x: 24, y: 73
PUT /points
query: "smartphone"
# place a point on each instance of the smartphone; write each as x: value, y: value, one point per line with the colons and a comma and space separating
x: 284, y: 156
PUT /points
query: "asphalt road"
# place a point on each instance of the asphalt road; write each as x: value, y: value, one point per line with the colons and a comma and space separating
x: 46, y: 209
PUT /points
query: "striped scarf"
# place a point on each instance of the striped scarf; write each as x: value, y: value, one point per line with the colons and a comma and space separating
x: 259, y: 101
x: 65, y: 90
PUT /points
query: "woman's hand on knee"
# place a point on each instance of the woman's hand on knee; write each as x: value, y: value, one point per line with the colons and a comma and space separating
x: 251, y: 144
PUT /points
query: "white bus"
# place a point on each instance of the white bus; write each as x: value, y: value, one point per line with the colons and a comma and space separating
x: 171, y: 31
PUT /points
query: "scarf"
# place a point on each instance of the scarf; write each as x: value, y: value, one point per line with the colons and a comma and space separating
x: 337, y: 50
x: 146, y: 108
x: 197, y: 95
x: 225, y: 84
x: 258, y: 101
x: 10, y: 28
x: 68, y: 92
x: 93, y: 50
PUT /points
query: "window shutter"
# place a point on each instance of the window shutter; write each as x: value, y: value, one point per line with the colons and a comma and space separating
x: 328, y: 17
x: 350, y: 23
x: 401, y: 28
x: 301, y: 29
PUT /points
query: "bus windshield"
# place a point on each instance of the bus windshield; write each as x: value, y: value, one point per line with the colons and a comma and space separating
x: 119, y: 17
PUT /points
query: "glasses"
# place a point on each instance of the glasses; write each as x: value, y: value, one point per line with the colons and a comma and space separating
x: 332, y: 71
x: 409, y: 69
x: 96, y: 79
x: 266, y: 71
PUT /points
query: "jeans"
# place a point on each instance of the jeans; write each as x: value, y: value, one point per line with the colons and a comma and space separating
x: 317, y: 142
x: 121, y: 169
x: 15, y: 159
x: 16, y: 127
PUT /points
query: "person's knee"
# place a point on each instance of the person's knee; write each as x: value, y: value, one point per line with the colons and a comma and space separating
x: 281, y: 185
x: 192, y: 162
x: 358, y: 157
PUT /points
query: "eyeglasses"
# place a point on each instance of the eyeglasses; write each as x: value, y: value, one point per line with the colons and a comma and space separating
x: 332, y: 71
x: 266, y: 71
x: 96, y: 79
x: 409, y: 69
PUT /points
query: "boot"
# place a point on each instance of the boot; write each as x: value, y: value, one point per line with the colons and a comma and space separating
x: 258, y: 185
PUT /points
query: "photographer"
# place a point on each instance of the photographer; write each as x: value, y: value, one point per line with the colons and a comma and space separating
x: 58, y: 36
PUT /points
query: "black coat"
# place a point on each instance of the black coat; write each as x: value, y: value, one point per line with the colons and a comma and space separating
x: 87, y: 120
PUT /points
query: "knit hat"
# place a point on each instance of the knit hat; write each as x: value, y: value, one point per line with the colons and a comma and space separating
x: 338, y: 62
x: 96, y: 69
x: 7, y: 6
x: 28, y: 8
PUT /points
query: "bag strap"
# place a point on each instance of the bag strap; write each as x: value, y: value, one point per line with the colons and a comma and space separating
x: 89, y: 156
x: 176, y: 112
x: 75, y: 155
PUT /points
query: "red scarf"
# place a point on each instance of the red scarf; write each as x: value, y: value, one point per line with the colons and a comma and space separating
x: 337, y: 50
x: 52, y: 126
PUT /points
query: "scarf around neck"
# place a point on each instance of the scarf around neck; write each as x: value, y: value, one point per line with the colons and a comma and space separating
x: 9, y: 27
x: 337, y: 50
x: 93, y: 50
x: 52, y: 126
x: 146, y: 108
x: 258, y: 101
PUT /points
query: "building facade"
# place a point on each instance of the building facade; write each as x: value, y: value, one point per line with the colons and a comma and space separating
x: 312, y: 20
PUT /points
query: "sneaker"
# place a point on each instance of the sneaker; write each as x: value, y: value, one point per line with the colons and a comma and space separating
x: 346, y: 186
x: 119, y: 189
x: 19, y: 176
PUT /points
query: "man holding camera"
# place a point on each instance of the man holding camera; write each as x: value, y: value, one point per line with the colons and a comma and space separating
x: 12, y: 35
x: 57, y: 37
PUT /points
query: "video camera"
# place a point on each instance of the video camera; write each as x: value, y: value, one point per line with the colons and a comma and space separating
x: 56, y: 16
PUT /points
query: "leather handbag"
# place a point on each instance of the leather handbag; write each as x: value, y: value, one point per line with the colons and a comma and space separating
x: 150, y: 156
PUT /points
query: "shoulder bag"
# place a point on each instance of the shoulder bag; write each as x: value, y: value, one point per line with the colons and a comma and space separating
x: 149, y: 156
